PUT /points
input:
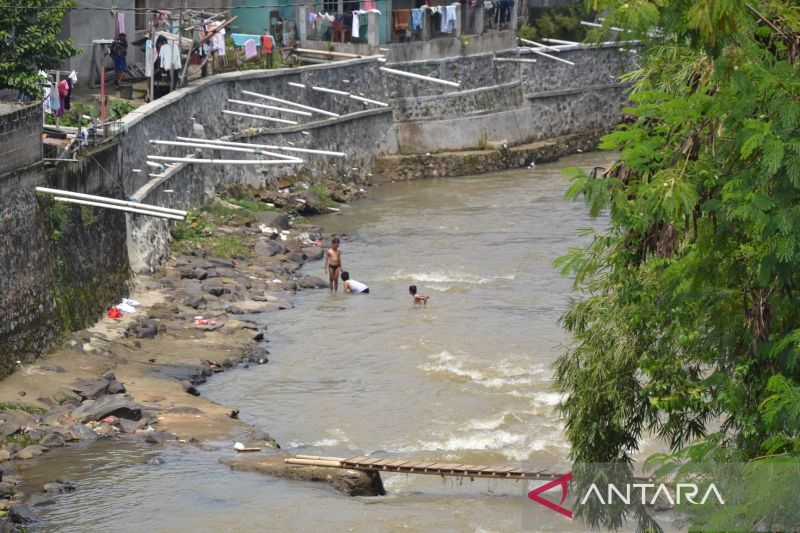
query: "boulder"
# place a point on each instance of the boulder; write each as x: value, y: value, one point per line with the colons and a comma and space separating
x: 52, y: 441
x: 155, y: 461
x: 159, y: 437
x: 313, y: 253
x: 116, y: 387
x: 273, y: 219
x: 223, y: 263
x: 5, y: 455
x: 200, y: 273
x: 38, y: 500
x: 67, y: 483
x: 22, y: 514
x: 189, y: 388
x: 109, y: 406
x: 313, y: 282
x: 295, y: 257
x: 30, y: 452
x: 64, y: 395
x: 90, y: 388
x: 81, y: 432
x: 268, y: 248
x: 129, y: 426
x: 6, y: 489
x: 9, y: 427
x: 215, y: 288
x: 53, y: 488
x: 196, y: 302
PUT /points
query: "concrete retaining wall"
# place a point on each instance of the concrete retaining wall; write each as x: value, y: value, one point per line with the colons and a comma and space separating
x: 61, y: 264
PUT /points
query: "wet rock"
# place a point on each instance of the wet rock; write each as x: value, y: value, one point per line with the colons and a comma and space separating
x: 116, y: 387
x: 90, y: 388
x: 189, y: 388
x: 155, y: 461
x: 233, y: 310
x: 52, y: 441
x: 6, y: 489
x: 289, y: 285
x: 30, y: 452
x: 211, y: 273
x: 159, y: 437
x: 109, y: 376
x: 351, y: 482
x: 81, y: 432
x: 268, y: 248
x: 53, y: 368
x: 187, y: 273
x: 67, y: 483
x: 53, y: 488
x: 129, y: 426
x: 313, y: 282
x: 22, y: 514
x: 39, y: 500
x: 107, y: 406
x: 314, y: 253
x: 200, y: 273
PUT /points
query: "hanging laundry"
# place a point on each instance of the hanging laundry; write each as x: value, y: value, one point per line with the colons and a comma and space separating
x: 55, y: 101
x: 120, y: 23
x: 63, y: 94
x: 46, y: 101
x: 356, y: 25
x: 148, y: 58
x: 417, y: 16
x: 250, y: 49
x: 266, y: 44
x: 170, y: 56
x: 239, y: 39
x: 449, y: 19
x: 366, y: 5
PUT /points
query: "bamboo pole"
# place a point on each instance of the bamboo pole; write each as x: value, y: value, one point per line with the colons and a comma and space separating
x: 222, y: 147
x: 270, y: 107
x: 261, y: 117
x: 119, y: 208
x: 560, y: 41
x: 419, y: 77
x: 311, y: 462
x: 112, y: 201
x: 294, y: 104
x: 226, y: 161
x: 298, y: 85
x: 266, y: 146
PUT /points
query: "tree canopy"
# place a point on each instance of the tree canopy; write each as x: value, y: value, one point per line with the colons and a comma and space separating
x: 29, y: 41
x: 688, y: 327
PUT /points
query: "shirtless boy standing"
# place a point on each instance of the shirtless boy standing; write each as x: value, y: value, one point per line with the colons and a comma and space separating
x: 333, y: 264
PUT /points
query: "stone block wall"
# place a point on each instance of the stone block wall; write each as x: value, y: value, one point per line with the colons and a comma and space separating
x: 20, y: 135
x: 61, y: 264
x: 459, y: 104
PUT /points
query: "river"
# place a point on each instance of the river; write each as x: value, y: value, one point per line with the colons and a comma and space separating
x: 466, y: 378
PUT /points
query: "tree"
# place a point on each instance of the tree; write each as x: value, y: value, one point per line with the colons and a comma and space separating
x: 29, y: 41
x: 690, y: 314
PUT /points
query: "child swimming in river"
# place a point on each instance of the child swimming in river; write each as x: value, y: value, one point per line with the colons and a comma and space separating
x: 353, y: 286
x: 418, y: 298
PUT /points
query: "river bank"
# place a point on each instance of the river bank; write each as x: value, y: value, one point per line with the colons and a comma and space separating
x: 136, y: 377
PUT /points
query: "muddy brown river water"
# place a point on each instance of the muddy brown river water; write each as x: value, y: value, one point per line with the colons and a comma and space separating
x: 465, y: 379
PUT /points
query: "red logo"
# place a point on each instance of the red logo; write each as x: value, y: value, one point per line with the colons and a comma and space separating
x: 563, y: 481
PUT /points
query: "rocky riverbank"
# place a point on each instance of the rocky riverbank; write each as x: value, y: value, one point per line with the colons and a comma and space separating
x: 136, y: 377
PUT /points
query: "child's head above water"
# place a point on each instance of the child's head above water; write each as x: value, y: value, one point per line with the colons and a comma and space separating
x: 345, y: 276
x: 335, y: 242
x: 412, y: 289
